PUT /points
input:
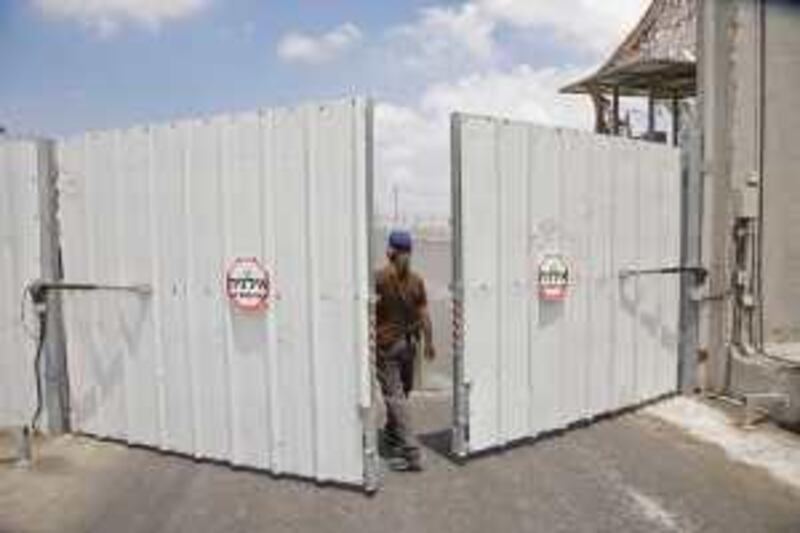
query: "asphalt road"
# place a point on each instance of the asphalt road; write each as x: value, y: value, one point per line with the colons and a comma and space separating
x: 629, y: 474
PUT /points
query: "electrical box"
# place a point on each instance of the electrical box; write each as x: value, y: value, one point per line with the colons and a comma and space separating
x: 747, y: 198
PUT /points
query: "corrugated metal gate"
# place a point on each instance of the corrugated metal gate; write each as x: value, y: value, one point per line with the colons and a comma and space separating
x: 602, y: 206
x: 178, y: 367
x: 19, y: 264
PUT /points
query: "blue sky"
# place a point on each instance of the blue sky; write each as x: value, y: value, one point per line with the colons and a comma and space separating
x: 71, y: 65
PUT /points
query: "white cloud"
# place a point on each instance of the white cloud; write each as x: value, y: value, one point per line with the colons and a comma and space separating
x: 411, y: 155
x: 521, y: 92
x: 106, y: 16
x: 457, y: 54
x: 413, y: 142
x: 594, y: 25
x: 315, y: 49
x: 467, y: 33
x: 445, y: 35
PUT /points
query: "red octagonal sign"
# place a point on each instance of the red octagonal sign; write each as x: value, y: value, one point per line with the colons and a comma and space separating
x: 247, y: 284
x: 553, y: 278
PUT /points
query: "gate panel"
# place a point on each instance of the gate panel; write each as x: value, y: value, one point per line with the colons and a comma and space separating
x: 19, y: 264
x: 177, y: 366
x: 607, y: 206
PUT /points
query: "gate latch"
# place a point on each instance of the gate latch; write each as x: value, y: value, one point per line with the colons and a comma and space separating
x: 700, y: 273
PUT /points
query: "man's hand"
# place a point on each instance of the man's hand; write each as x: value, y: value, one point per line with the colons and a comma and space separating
x: 430, y: 352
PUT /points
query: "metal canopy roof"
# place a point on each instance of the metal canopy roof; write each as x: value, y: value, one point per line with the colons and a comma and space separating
x: 657, y: 57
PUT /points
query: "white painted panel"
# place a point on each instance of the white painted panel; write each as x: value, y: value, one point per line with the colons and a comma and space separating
x: 247, y: 333
x: 573, y: 357
x: 336, y: 269
x: 625, y: 255
x: 546, y: 324
x: 181, y: 368
x: 480, y: 253
x: 137, y: 316
x: 513, y: 280
x: 600, y: 349
x: 671, y: 254
x: 19, y: 264
x: 606, y: 204
x: 205, y: 300
x: 648, y: 300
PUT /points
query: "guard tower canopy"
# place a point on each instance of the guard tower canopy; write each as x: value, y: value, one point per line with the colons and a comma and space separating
x: 657, y: 59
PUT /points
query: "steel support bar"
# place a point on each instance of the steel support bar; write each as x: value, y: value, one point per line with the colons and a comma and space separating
x: 676, y: 120
x: 615, y: 111
x: 39, y: 288
x: 53, y: 378
x: 371, y: 455
x: 699, y: 272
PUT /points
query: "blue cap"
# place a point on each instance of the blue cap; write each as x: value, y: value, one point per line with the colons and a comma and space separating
x: 400, y: 240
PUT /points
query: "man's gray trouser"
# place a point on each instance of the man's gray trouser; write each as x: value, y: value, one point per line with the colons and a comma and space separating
x: 391, y: 364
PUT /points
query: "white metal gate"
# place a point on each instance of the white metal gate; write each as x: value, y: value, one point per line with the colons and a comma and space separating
x: 606, y: 207
x: 19, y: 264
x: 158, y: 355
x: 31, y: 343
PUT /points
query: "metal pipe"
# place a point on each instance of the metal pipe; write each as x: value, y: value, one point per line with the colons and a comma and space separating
x: 676, y: 120
x: 24, y: 447
x: 460, y: 443
x: 615, y: 111
x: 698, y: 271
x: 371, y: 457
x: 760, y: 165
x: 39, y: 287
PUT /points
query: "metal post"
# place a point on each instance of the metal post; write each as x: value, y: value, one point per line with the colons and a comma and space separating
x: 651, y: 114
x: 55, y: 384
x: 761, y: 89
x: 615, y: 111
x: 676, y: 120
x: 713, y: 71
x: 691, y: 227
x: 24, y: 448
x: 460, y: 387
x: 370, y: 437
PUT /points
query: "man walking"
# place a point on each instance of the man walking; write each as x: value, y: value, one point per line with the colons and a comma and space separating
x: 402, y: 316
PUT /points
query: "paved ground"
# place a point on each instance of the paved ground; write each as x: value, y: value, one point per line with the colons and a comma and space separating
x: 633, y: 473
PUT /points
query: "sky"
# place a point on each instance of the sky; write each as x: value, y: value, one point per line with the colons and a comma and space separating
x: 72, y: 65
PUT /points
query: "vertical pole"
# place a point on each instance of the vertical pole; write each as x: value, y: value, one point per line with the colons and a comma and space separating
x: 55, y: 384
x: 691, y: 256
x: 715, y: 20
x: 676, y: 120
x: 761, y: 89
x: 615, y: 111
x: 460, y: 390
x: 651, y: 115
x: 24, y: 448
x: 371, y: 459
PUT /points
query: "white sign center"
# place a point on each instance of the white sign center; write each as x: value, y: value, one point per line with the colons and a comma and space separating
x: 247, y: 284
